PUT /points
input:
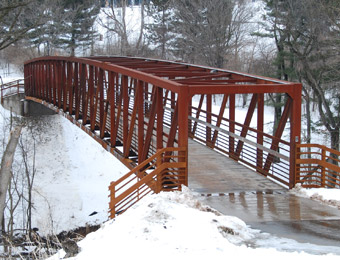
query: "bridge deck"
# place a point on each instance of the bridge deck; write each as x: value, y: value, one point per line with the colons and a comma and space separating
x: 211, y: 172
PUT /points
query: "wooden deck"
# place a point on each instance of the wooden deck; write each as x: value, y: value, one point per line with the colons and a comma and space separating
x: 211, y: 172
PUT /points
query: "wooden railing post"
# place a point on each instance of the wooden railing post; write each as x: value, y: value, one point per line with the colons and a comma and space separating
x: 159, y: 161
x: 112, y: 200
x: 323, y: 171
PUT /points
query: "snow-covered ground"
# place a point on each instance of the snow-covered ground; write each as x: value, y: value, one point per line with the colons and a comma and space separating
x: 330, y: 197
x: 73, y: 175
x: 177, y: 226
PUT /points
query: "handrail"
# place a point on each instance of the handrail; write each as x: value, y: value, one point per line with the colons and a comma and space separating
x: 164, y: 171
x: 9, y: 85
x: 317, y: 166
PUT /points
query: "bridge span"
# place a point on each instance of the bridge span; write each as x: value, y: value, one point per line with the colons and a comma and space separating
x: 144, y: 112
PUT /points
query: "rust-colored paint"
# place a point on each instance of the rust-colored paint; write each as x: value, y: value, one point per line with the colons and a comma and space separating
x: 114, y: 94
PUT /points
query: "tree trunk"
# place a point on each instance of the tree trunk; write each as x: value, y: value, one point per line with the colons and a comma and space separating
x: 334, y: 158
x: 6, y: 166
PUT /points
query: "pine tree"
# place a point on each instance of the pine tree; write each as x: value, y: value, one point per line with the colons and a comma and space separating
x: 78, y: 23
x: 311, y: 37
x: 160, y: 30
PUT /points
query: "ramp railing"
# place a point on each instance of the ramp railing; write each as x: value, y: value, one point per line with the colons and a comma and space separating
x: 317, y: 166
x: 164, y: 171
x: 12, y: 88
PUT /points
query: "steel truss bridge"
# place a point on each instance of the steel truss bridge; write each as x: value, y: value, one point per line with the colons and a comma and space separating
x: 144, y: 111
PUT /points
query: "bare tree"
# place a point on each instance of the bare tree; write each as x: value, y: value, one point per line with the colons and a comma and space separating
x: 6, y: 166
x: 17, y: 17
x: 116, y: 22
x: 208, y: 31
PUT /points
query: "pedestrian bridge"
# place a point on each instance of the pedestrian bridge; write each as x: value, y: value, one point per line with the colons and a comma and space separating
x: 147, y: 112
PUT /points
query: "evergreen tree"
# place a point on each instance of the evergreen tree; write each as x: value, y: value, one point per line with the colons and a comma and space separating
x: 311, y: 37
x: 78, y: 23
x: 160, y: 30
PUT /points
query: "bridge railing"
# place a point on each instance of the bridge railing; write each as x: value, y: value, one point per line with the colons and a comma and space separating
x: 12, y: 88
x: 164, y: 171
x: 317, y: 166
x: 226, y: 137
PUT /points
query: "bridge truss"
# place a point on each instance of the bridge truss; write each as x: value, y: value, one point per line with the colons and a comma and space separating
x: 138, y: 106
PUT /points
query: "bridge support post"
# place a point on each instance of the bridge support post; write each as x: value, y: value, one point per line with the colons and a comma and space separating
x: 295, y: 132
x: 183, y: 131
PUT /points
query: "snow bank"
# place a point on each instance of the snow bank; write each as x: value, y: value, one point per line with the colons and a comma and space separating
x: 175, y: 226
x: 72, y: 179
x: 327, y: 196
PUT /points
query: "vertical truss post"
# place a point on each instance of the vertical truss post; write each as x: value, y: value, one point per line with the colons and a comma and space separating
x: 56, y: 82
x: 41, y: 80
x: 60, y: 83
x: 125, y: 92
x: 260, y: 123
x: 84, y: 93
x: 91, y: 98
x: 190, y: 115
x: 295, y: 131
x: 76, y: 88
x: 183, y: 133
x: 119, y: 97
x: 65, y: 85
x: 38, y: 79
x: 37, y: 76
x: 37, y: 73
x: 47, y: 82
x: 140, y: 104
x: 69, y: 87
x: 173, y: 103
x: 50, y: 82
x: 208, y: 119
x: 112, y: 100
x: 232, y: 124
x: 100, y: 90
x: 132, y: 125
x: 146, y: 98
x: 160, y: 114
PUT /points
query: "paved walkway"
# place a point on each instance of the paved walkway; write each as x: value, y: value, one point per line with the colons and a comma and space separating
x: 233, y: 189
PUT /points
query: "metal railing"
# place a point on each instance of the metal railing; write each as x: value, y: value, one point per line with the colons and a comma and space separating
x: 12, y: 88
x: 317, y: 166
x: 164, y: 171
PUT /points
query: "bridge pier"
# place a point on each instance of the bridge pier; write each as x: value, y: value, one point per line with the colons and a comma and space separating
x: 31, y: 108
x: 14, y: 103
x: 23, y: 107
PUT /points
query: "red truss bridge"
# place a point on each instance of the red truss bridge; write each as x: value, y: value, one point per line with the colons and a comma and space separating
x: 146, y: 112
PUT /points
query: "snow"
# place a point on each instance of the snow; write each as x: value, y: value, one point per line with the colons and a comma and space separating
x: 72, y: 179
x: 326, y: 196
x: 73, y: 174
x: 175, y: 225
